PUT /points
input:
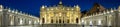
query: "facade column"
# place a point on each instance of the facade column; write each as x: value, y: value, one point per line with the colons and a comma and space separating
x: 65, y: 20
x: 32, y: 21
x: 116, y: 20
x: 49, y: 20
x: 5, y: 19
x: 0, y: 18
x: 62, y: 20
x: 55, y: 20
x: 11, y: 19
x: 79, y: 21
x: 15, y: 20
x: 74, y: 21
x: 70, y: 21
x: 45, y: 20
x: 58, y: 20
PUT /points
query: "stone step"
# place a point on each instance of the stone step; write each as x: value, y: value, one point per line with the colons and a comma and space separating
x: 60, y: 25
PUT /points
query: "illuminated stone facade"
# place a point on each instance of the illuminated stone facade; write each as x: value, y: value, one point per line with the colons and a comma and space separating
x: 60, y: 14
x: 14, y: 17
x: 106, y: 18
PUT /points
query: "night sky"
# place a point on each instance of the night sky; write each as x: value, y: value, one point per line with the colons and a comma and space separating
x: 33, y: 6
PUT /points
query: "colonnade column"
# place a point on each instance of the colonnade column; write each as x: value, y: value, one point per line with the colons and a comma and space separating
x: 45, y: 20
x: 62, y: 20
x: 54, y: 20
x: 5, y: 19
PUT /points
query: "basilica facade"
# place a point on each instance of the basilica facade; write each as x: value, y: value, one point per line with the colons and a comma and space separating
x: 60, y: 14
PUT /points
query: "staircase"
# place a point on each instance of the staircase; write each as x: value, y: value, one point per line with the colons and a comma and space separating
x: 60, y: 25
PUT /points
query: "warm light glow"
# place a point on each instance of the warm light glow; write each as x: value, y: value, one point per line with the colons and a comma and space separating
x: 72, y: 9
x: 68, y: 9
x: 1, y: 7
x: 60, y: 14
x: 51, y: 9
x: 77, y: 6
x: 109, y: 23
x: 9, y: 10
x: 66, y: 14
x: 30, y: 22
x: 21, y: 22
x: 119, y: 8
x: 48, y: 9
x: 60, y: 2
x: 82, y: 21
x: 91, y: 23
x: 40, y: 21
x: 11, y: 23
x: 35, y: 22
x: 16, y: 12
x: 104, y: 12
x: 13, y: 11
x: 112, y: 11
x: 43, y: 6
x: 99, y: 22
x: 108, y: 12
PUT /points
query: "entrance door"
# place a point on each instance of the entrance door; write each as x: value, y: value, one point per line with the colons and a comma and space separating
x: 43, y: 20
x: 59, y: 20
x: 77, y: 20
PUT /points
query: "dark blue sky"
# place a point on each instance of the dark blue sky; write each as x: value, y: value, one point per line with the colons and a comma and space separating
x: 33, y: 6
